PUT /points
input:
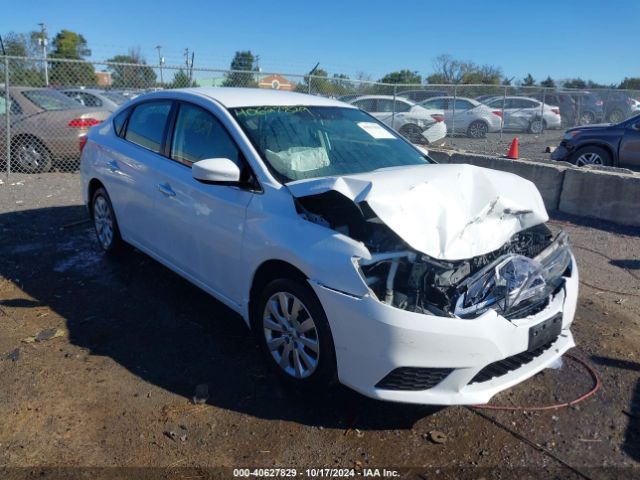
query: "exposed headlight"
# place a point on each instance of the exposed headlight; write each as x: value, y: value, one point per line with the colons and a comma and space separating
x: 513, y: 281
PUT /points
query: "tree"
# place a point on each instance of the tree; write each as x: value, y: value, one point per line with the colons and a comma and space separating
x: 138, y: 75
x: 575, y: 83
x: 23, y: 72
x: 73, y: 46
x: 437, y: 79
x: 181, y: 80
x: 528, y: 81
x: 630, y: 83
x: 241, y: 62
x: 449, y: 70
x: 405, y: 77
x: 548, y: 83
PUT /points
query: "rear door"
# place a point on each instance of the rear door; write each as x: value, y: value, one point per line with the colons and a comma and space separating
x: 201, y: 225
x: 629, y: 154
x: 130, y: 171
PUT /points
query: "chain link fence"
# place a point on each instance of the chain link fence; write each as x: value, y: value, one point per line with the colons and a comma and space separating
x: 47, y: 107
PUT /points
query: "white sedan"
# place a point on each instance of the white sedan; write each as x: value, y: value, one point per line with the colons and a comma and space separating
x: 351, y: 255
x: 416, y: 123
x: 466, y: 115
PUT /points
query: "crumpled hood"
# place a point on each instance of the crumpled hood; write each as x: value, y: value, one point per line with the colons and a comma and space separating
x: 449, y: 212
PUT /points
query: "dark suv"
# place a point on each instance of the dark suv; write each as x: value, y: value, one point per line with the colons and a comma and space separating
x: 616, y: 145
x: 618, y: 105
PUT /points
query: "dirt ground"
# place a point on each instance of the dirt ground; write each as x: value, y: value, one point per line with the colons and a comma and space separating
x: 123, y: 345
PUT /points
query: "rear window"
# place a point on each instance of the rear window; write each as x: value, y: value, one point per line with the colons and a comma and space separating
x: 147, y: 124
x: 50, y: 100
x: 115, y: 97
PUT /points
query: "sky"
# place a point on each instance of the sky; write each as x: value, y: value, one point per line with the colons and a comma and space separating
x: 564, y: 39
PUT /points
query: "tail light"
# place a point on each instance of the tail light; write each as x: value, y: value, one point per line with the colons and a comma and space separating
x: 84, y: 122
x: 498, y: 113
x: 83, y: 142
x: 599, y: 103
x: 556, y: 111
x: 438, y: 117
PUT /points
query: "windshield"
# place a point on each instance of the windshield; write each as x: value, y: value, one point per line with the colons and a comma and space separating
x: 299, y: 142
x: 115, y: 97
x: 50, y: 100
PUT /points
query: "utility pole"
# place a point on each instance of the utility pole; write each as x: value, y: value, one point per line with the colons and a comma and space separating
x: 43, y: 41
x: 257, y: 67
x: 160, y: 63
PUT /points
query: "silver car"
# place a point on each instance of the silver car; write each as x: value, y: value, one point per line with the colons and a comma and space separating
x: 91, y: 97
x: 466, y: 115
x: 526, y: 114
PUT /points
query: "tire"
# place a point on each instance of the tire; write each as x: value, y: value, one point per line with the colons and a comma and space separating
x: 413, y: 133
x: 478, y: 129
x: 29, y: 155
x: 298, y: 346
x: 587, y: 118
x: 104, y: 222
x: 536, y: 126
x: 616, y: 116
x: 591, y: 155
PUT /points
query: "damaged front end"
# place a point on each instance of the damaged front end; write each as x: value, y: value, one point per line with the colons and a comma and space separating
x: 515, y: 268
x: 516, y: 281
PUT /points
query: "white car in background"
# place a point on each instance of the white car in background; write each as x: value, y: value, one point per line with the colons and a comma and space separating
x: 526, y: 114
x: 465, y: 115
x: 351, y: 255
x: 414, y: 122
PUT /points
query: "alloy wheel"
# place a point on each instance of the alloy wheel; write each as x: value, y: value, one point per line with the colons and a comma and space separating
x: 291, y: 335
x: 103, y: 221
x: 589, y: 158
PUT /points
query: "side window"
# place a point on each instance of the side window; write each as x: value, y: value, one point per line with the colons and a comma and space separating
x: 463, y: 105
x: 147, y: 124
x: 367, y: 104
x: 402, y: 106
x: 522, y: 103
x: 498, y: 103
x: 199, y: 135
x: 119, y: 121
x: 438, y: 104
x: 91, y: 100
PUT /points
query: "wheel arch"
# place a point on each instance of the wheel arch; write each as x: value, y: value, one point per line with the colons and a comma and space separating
x: 605, y: 146
x: 93, y: 186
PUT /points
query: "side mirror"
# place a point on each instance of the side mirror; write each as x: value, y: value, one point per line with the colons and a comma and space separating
x: 221, y: 171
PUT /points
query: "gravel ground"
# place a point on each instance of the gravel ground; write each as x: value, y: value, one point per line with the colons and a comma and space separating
x: 130, y: 341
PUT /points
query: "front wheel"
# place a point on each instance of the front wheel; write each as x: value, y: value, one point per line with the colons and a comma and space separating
x: 294, y: 334
x: 536, y: 126
x: 587, y: 118
x: 104, y: 222
x: 31, y: 156
x: 591, y: 155
x: 616, y: 116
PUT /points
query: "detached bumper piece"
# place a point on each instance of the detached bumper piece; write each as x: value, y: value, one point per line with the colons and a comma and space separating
x: 413, y: 378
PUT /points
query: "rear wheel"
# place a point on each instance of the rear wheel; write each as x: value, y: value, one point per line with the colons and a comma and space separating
x: 29, y: 155
x: 587, y: 118
x: 478, y: 129
x: 616, y: 116
x: 104, y: 222
x: 591, y: 155
x: 294, y: 334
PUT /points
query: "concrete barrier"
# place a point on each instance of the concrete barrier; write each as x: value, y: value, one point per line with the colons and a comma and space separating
x: 605, y: 195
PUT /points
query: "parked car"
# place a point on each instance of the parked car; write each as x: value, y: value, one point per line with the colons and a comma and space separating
x: 526, y: 114
x: 469, y: 116
x: 576, y: 108
x: 418, y: 96
x: 416, y: 123
x: 616, y: 145
x: 350, y: 254
x: 485, y: 98
x: 618, y: 105
x: 46, y: 127
x: 90, y: 97
x: 350, y: 96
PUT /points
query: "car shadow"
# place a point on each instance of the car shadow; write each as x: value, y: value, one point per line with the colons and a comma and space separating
x: 631, y: 445
x: 629, y: 264
x: 162, y: 328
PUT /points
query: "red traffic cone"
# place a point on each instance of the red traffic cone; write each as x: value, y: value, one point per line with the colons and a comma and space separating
x: 513, y: 149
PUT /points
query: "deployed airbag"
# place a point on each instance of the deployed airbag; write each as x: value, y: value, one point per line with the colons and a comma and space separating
x: 298, y: 159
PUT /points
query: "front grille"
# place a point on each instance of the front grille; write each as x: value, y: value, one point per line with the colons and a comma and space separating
x: 509, y: 364
x: 413, y: 378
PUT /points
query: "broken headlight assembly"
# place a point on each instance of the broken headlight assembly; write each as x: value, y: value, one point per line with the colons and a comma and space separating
x: 516, y: 281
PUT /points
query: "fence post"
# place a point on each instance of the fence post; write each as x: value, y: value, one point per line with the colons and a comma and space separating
x: 7, y: 106
x: 453, y: 115
x: 309, y: 85
x: 504, y: 101
x: 393, y: 114
x: 544, y: 92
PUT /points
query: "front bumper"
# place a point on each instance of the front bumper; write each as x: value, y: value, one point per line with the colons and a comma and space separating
x: 373, y: 339
x: 561, y: 153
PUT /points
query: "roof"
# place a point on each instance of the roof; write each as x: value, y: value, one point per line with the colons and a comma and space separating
x: 384, y: 97
x: 232, y: 97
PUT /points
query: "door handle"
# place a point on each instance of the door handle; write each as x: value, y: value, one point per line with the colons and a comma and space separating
x: 166, y: 190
